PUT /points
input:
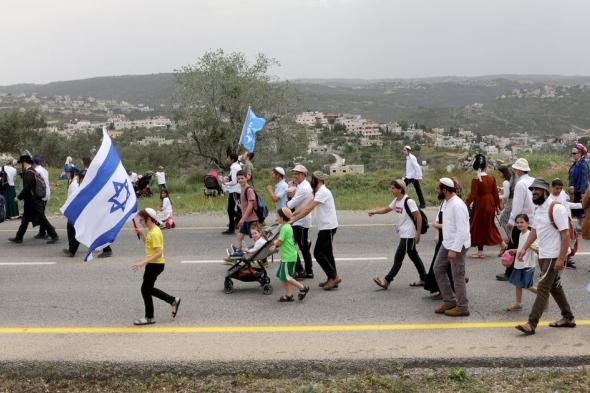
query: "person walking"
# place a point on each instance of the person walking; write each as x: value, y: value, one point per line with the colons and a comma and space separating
x: 161, y: 178
x: 409, y: 225
x: 413, y: 174
x: 37, y: 161
x: 249, y: 204
x: 522, y: 203
x: 578, y: 177
x: 7, y: 176
x: 551, y: 230
x: 247, y: 165
x: 456, y: 241
x: 73, y: 244
x: 34, y: 206
x: 234, y: 213
x: 154, y: 266
x: 485, y: 202
x: 303, y: 195
x: 327, y: 221
x: 279, y: 193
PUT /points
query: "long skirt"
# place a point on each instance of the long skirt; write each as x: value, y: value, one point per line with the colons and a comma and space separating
x: 11, y: 205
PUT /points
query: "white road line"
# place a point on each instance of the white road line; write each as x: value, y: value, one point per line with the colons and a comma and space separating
x: 208, y: 261
x: 26, y: 263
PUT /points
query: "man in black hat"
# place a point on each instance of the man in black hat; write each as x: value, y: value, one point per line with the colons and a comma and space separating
x: 34, y: 209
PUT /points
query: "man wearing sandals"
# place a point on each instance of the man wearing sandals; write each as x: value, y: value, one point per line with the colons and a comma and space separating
x: 553, y: 240
x: 408, y: 229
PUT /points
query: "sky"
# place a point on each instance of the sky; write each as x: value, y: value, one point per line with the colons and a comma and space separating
x: 56, y: 40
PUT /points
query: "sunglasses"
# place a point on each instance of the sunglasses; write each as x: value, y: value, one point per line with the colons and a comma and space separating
x: 575, y: 153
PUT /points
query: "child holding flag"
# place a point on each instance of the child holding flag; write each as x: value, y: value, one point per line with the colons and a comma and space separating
x: 154, y: 265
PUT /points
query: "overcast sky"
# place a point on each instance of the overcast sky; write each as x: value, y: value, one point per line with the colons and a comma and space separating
x: 45, y: 41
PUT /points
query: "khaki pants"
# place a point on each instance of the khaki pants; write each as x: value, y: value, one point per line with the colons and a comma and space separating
x: 550, y: 283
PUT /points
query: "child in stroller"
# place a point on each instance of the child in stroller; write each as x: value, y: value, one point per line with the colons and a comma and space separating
x: 212, y: 184
x: 143, y: 186
x: 250, y: 265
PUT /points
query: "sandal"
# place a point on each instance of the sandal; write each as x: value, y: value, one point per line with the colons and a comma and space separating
x: 284, y: 299
x: 563, y: 323
x: 303, y: 293
x: 175, y: 306
x: 417, y: 284
x: 381, y: 282
x: 514, y: 307
x: 144, y: 321
x: 526, y: 329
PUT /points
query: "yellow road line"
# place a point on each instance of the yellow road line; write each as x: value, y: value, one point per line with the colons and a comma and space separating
x: 266, y: 329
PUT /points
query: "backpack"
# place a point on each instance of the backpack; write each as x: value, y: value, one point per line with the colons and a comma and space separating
x: 39, y: 190
x: 260, y: 209
x: 424, y: 218
x: 573, y: 236
x: 2, y: 208
x: 3, y: 178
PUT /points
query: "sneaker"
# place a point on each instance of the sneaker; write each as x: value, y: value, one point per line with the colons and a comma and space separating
x: 443, y: 307
x: 299, y: 275
x: 40, y: 236
x: 15, y: 240
x: 68, y: 253
x: 228, y: 232
x: 308, y: 276
x: 501, y: 277
x: 570, y: 265
x: 144, y: 321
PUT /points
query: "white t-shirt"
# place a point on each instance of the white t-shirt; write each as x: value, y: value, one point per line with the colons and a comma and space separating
x: 326, y: 211
x: 45, y: 175
x: 161, y: 176
x: 303, y: 194
x: 232, y: 185
x: 166, y: 211
x: 549, y: 238
x: 10, y: 174
x: 405, y: 226
x: 73, y: 187
x: 530, y: 258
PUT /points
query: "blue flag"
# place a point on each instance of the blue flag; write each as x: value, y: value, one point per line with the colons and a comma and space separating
x: 252, y: 125
x: 104, y: 202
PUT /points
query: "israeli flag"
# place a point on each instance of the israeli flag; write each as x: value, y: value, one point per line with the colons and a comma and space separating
x: 252, y: 125
x: 104, y: 202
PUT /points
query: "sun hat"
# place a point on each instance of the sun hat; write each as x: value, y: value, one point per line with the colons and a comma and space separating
x: 320, y: 175
x: 401, y: 183
x: 408, y: 148
x: 540, y: 183
x: 279, y: 170
x: 521, y: 164
x: 300, y: 168
x: 447, y: 182
x: 152, y: 213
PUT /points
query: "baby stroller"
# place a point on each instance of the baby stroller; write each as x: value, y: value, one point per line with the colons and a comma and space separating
x: 212, y: 187
x: 143, y: 186
x: 249, y: 268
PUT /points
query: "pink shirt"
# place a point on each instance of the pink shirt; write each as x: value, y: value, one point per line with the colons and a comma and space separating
x: 251, y: 197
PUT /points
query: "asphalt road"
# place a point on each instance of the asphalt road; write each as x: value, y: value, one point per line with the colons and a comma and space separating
x: 42, y: 289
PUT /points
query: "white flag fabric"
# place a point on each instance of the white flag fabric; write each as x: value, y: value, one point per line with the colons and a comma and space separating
x: 104, y: 202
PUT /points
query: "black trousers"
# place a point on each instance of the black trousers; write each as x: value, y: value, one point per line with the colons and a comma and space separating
x: 418, y: 189
x: 301, y: 235
x: 73, y: 244
x: 42, y: 229
x: 406, y: 246
x: 234, y: 212
x: 26, y: 220
x: 152, y: 271
x: 324, y: 253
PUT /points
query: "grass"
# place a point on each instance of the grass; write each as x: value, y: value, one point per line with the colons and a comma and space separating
x: 443, y: 381
x: 350, y: 192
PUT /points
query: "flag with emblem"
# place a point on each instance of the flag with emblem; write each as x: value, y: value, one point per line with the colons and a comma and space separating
x: 252, y: 125
x: 104, y: 202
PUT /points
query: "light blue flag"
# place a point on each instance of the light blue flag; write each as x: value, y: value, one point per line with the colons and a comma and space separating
x: 104, y: 202
x: 252, y: 125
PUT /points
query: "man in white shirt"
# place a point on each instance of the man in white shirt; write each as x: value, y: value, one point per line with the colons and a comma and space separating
x: 37, y: 161
x: 456, y: 242
x: 303, y: 194
x: 553, y: 241
x: 408, y: 228
x: 233, y: 188
x: 161, y: 177
x: 413, y: 174
x: 522, y: 203
x: 327, y: 220
x: 9, y: 191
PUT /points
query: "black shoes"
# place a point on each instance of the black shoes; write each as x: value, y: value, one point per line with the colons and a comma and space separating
x: 228, y: 232
x: 105, y: 254
x: 15, y: 240
x: 53, y: 240
x: 40, y: 236
x: 501, y: 277
x: 68, y: 253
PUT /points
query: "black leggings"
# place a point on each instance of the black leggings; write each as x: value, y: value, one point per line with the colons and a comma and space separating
x: 406, y: 246
x: 324, y: 253
x: 301, y: 235
x: 152, y: 271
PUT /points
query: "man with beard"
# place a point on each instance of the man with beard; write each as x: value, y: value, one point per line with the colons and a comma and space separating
x: 522, y: 203
x: 323, y: 203
x: 456, y: 242
x: 303, y: 194
x: 553, y: 238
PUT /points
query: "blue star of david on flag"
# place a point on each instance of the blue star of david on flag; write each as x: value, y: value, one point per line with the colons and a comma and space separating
x: 252, y: 125
x: 115, y: 199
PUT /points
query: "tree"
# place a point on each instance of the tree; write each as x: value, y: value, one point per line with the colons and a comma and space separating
x: 214, y: 97
x: 404, y: 125
x: 18, y: 131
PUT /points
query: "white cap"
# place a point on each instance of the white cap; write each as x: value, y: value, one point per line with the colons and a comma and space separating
x: 522, y: 165
x: 279, y: 170
x: 152, y: 213
x: 408, y: 148
x: 447, y: 182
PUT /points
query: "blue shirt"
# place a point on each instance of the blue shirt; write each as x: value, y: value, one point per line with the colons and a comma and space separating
x: 281, y: 193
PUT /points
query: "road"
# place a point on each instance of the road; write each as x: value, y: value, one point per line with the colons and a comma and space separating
x: 55, y: 308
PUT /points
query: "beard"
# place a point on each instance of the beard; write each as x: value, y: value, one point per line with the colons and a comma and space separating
x: 539, y: 200
x: 440, y: 196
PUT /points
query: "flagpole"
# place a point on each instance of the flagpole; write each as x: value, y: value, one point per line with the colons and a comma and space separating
x: 135, y: 227
x: 238, y: 146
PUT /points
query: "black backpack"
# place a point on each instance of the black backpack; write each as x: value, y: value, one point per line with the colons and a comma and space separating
x: 424, y: 228
x: 39, y: 190
x: 3, y: 178
x: 2, y: 208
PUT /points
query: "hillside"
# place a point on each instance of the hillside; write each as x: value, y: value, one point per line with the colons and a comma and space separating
x: 498, y: 104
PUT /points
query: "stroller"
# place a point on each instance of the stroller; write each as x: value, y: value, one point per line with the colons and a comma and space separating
x: 212, y: 187
x: 250, y: 268
x: 143, y: 186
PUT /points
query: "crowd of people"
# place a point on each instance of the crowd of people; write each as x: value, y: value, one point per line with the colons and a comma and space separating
x: 528, y: 218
